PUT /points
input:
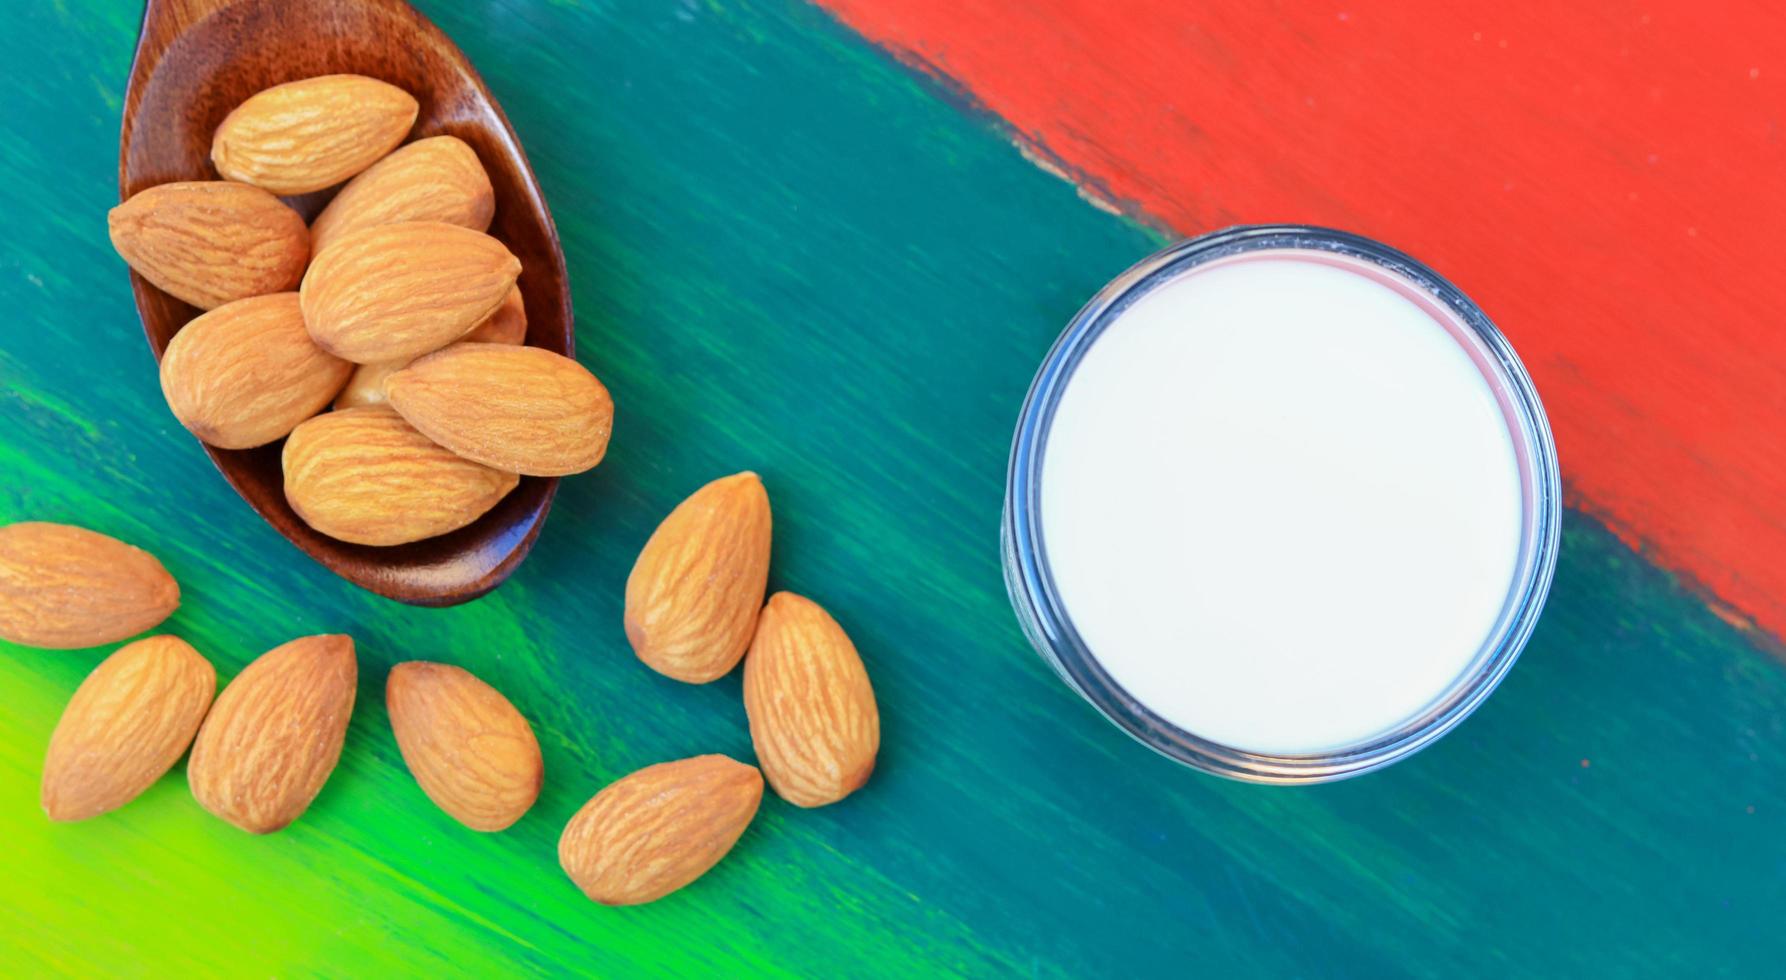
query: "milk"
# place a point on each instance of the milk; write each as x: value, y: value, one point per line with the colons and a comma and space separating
x: 1280, y: 502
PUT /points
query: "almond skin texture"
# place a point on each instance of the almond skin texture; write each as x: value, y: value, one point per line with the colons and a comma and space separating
x: 275, y: 733
x: 126, y: 726
x: 693, y: 596
x: 246, y: 374
x: 508, y: 325
x: 396, y: 292
x: 366, y: 386
x: 307, y: 135
x: 652, y: 832
x: 812, y: 713
x: 471, y: 751
x: 365, y: 476
x: 519, y: 409
x: 65, y: 588
x: 434, y: 179
x: 211, y: 242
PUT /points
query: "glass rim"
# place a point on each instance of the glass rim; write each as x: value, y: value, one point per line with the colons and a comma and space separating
x: 1044, y: 616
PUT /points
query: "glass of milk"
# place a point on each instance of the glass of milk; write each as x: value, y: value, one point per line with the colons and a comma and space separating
x: 1283, y: 504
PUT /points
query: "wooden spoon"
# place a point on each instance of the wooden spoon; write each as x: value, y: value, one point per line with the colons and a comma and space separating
x: 198, y: 59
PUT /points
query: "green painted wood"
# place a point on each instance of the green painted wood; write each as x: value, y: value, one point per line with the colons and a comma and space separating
x: 790, y: 255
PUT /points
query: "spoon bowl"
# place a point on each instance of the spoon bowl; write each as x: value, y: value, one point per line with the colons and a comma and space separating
x: 198, y: 59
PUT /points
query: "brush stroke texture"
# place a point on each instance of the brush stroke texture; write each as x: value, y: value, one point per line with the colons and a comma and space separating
x: 791, y: 256
x: 1601, y: 178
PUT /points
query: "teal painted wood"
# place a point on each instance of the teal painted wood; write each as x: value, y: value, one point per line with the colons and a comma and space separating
x: 789, y: 255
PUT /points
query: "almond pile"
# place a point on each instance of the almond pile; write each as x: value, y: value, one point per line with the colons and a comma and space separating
x: 694, y: 608
x: 393, y: 306
x: 262, y: 751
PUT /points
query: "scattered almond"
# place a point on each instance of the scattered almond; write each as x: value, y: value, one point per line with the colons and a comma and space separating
x: 394, y: 292
x: 519, y: 409
x: 275, y: 733
x: 126, y: 726
x: 508, y: 325
x: 660, y: 828
x: 365, y: 476
x: 246, y: 373
x: 433, y: 179
x: 64, y: 587
x: 812, y: 713
x: 693, y: 595
x: 211, y: 242
x: 307, y: 135
x: 469, y: 749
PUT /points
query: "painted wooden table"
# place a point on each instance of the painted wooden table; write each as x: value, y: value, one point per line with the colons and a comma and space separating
x: 831, y: 244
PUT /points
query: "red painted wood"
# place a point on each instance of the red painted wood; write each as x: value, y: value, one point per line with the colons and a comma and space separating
x: 1607, y: 184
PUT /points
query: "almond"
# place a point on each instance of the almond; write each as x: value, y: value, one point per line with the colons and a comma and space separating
x: 812, y: 713
x: 394, y: 292
x: 519, y: 409
x: 64, y: 588
x: 275, y: 733
x: 126, y: 726
x: 660, y: 828
x: 467, y: 746
x: 693, y: 595
x: 211, y: 242
x: 307, y: 135
x: 245, y: 374
x: 366, y: 386
x: 508, y: 325
x: 434, y: 179
x: 364, y: 475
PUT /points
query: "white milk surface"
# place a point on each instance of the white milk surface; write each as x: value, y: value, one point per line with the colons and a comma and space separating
x: 1280, y: 504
